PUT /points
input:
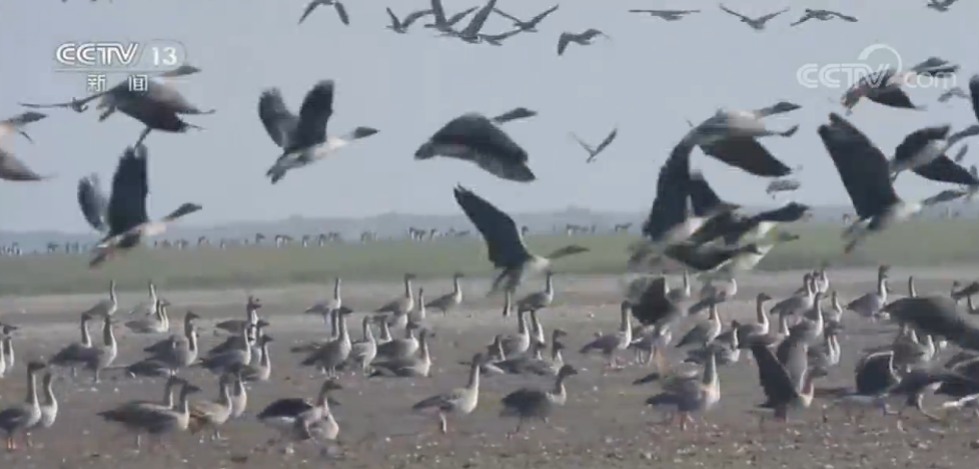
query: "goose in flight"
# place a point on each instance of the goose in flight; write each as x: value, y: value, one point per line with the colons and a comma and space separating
x: 471, y: 32
x: 497, y: 39
x: 504, y: 242
x: 126, y: 216
x: 594, y: 151
x: 401, y: 26
x: 582, y: 39
x: 11, y: 168
x: 529, y: 26
x: 822, y: 15
x: 782, y: 185
x: 733, y: 227
x: 923, y: 152
x: 442, y: 23
x: 953, y: 92
x: 865, y: 173
x: 476, y: 138
x: 974, y: 92
x: 668, y: 15
x: 158, y: 107
x: 730, y: 136
x: 303, y: 138
x: 341, y: 10
x: 940, y: 5
x: 758, y: 24
x: 884, y: 86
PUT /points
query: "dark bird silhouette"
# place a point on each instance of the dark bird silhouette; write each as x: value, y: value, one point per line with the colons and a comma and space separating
x: 341, y: 10
x: 504, y: 242
x: 12, y: 168
x: 731, y: 226
x: 655, y: 308
x: 401, y: 26
x: 303, y: 139
x: 940, y: 5
x: 582, y: 39
x: 822, y: 15
x: 884, y: 86
x: 442, y: 23
x: 924, y: 153
x: 93, y: 202
x: 471, y: 32
x: 668, y: 15
x: 529, y: 26
x: 935, y: 315
x: 475, y: 138
x: 128, y: 222
x: 786, y: 383
x: 758, y: 24
x: 594, y: 151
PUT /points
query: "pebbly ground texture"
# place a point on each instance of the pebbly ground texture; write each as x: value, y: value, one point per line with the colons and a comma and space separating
x: 604, y: 423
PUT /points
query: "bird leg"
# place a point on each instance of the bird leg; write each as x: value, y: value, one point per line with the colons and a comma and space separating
x: 510, y: 435
x: 74, y: 372
x: 142, y: 136
x: 139, y: 441
x: 443, y: 423
x: 96, y: 379
x: 27, y: 440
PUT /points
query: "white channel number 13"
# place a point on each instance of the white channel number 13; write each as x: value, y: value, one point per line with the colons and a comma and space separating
x: 164, y: 56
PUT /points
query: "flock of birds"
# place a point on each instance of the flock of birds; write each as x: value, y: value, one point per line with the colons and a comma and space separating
x: 688, y: 224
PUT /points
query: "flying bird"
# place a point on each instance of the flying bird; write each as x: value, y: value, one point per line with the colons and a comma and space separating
x: 303, y: 139
x: 341, y: 10
x: 476, y: 138
x: 974, y: 92
x: 528, y: 26
x: 731, y: 137
x: 923, y: 152
x: 954, y: 92
x: 582, y: 39
x: 128, y: 223
x: 594, y: 151
x: 822, y: 15
x: 758, y: 24
x: 505, y: 244
x: 668, y: 15
x: 94, y: 203
x: 401, y: 26
x: 782, y: 185
x: 11, y: 168
x: 497, y: 39
x: 940, y: 5
x: 158, y: 107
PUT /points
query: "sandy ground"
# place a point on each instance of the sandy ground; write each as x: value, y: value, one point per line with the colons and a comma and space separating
x: 604, y: 424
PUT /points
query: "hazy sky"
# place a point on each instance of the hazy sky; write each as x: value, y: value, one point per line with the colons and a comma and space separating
x: 648, y: 80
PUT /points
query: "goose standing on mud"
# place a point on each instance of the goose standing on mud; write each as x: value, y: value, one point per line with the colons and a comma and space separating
x: 239, y: 326
x: 303, y: 138
x: 528, y: 403
x: 609, y: 344
x: 399, y: 309
x: 49, y: 408
x: 11, y: 168
x: 449, y: 301
x: 475, y: 138
x: 298, y: 419
x: 505, y: 243
x: 326, y: 307
x: 153, y: 420
x: 341, y: 10
x: 22, y: 417
x: 689, y: 394
x: 758, y: 24
x: 538, y: 300
x: 71, y: 355
x: 461, y: 401
x: 128, y: 222
x: 784, y: 387
x: 105, y: 307
x: 584, y: 38
x: 99, y: 357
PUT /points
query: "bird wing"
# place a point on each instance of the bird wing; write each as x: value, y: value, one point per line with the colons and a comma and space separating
x: 279, y: 122
x: 540, y: 17
x: 503, y: 240
x: 704, y: 199
x: 608, y: 140
x: 516, y: 113
x: 862, y: 167
x: 670, y: 205
x: 772, y: 376
x: 414, y: 16
x: 476, y: 129
x: 289, y: 407
x: 524, y: 399
x: 127, y: 203
x: 479, y: 19
x: 946, y: 195
x: 915, y: 141
x: 732, y: 12
x: 587, y: 147
x: 13, y: 169
x: 769, y: 16
x: 451, y: 21
x: 844, y: 17
x: 506, y: 15
x: 93, y: 202
x: 747, y: 154
x: 342, y: 13
x: 974, y: 92
x: 24, y: 118
x: 960, y: 155
x: 394, y: 18
x: 309, y: 9
x: 314, y: 114
x: 943, y: 169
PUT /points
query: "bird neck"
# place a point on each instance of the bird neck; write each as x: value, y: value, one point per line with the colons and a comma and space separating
x: 32, y: 388
x: 86, y: 336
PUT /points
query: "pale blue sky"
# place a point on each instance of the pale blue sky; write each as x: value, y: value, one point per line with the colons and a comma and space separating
x: 652, y: 76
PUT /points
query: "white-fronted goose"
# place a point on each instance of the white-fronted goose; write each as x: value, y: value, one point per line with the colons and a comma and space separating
x: 459, y: 401
x: 128, y: 221
x: 505, y: 243
x: 529, y: 403
x: 303, y: 138
x: 22, y: 417
x: 475, y: 138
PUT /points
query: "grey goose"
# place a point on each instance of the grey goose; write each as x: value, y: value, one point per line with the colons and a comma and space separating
x: 12, y: 168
